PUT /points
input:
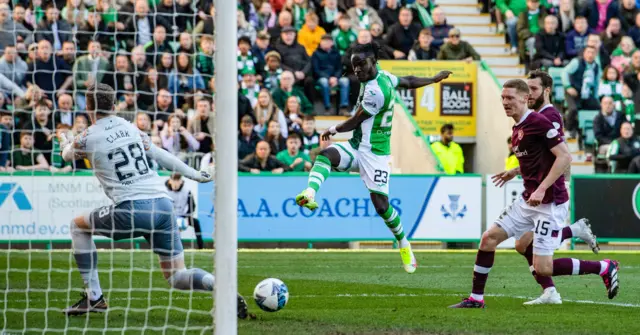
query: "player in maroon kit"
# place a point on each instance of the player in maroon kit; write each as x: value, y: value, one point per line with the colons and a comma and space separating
x: 543, y: 157
x: 540, y: 84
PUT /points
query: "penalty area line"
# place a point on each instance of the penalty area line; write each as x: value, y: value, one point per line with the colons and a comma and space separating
x: 302, y: 251
x: 186, y: 296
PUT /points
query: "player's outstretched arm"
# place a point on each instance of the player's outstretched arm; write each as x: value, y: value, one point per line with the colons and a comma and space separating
x: 412, y: 82
x: 348, y: 125
x: 171, y: 162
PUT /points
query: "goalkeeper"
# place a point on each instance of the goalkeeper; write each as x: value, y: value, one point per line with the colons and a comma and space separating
x: 120, y: 153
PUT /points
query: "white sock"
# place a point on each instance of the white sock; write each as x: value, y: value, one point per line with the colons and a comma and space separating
x: 310, y: 192
x: 404, y: 243
x: 477, y: 297
x: 192, y: 279
x: 92, y: 282
x: 84, y: 251
x: 603, y: 267
x: 550, y: 289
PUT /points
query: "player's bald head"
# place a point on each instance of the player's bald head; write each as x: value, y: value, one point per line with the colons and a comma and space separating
x: 100, y: 98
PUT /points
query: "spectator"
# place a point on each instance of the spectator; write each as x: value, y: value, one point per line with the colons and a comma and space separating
x: 580, y: 78
x: 141, y: 25
x: 327, y: 69
x: 285, y: 19
x: 183, y: 204
x: 11, y: 32
x: 204, y: 58
x: 52, y: 29
x: 176, y: 139
x: 549, y: 46
x: 245, y: 29
x: 511, y: 162
x: 389, y: 14
x: 449, y: 153
x: 207, y: 25
x: 19, y: 16
x: 612, y: 35
x: 599, y: 12
x: 576, y: 39
x: 260, y: 50
x: 529, y: 24
x: 121, y: 76
x: 12, y: 66
x: 47, y: 71
x: 624, y: 150
x: 566, y: 15
x: 362, y: 15
x: 246, y: 60
x: 421, y: 10
x: 310, y: 34
x: 621, y: 56
x: 403, y: 34
x: 139, y: 65
x: 248, y: 87
x: 247, y: 137
x: 611, y: 86
x: 178, y: 13
x: 385, y: 51
x: 294, y: 56
x: 41, y: 126
x: 634, y: 31
x: 266, y: 111
x: 68, y: 54
x: 126, y: 106
x: 262, y: 161
x: 244, y: 108
x: 329, y: 15
x: 293, y: 114
x: 35, y: 13
x: 602, y: 56
x: 631, y: 79
x: 159, y: 45
x: 628, y: 12
x: 423, y: 49
x: 87, y: 71
x: 512, y: 9
x: 266, y: 17
x: 184, y: 80
x: 343, y: 35
x: 293, y: 157
x: 287, y: 89
x: 298, y: 9
x: 6, y: 140
x: 94, y: 29
x: 606, y: 125
x: 440, y: 29
x: 74, y: 13
x: 272, y: 71
x: 109, y: 15
x: 274, y: 136
x: 64, y: 113
x: 162, y: 109
x: 199, y: 124
x: 25, y: 158
x: 57, y: 163
x: 457, y: 49
x: 143, y: 123
x: 310, y: 136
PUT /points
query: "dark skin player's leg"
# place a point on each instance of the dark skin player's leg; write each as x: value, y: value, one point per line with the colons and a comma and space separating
x: 333, y: 155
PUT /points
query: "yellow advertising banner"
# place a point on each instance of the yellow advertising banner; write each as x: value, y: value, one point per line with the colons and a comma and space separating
x: 451, y: 101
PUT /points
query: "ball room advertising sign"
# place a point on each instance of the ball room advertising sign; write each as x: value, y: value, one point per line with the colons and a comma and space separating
x: 450, y: 101
x: 610, y: 202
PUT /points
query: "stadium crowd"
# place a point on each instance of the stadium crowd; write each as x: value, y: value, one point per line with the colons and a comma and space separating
x: 293, y: 63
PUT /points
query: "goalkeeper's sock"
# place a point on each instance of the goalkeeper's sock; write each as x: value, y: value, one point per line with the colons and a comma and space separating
x: 84, y: 251
x: 193, y: 279
x: 392, y: 220
x: 319, y: 172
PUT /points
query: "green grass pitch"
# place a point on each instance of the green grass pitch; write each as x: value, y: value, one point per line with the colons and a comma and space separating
x: 331, y: 293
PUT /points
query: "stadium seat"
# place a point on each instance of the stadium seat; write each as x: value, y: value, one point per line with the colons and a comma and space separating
x: 586, y: 115
x: 558, y: 89
x: 588, y: 134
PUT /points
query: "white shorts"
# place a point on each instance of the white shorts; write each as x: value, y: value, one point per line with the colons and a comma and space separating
x: 546, y: 221
x: 375, y: 170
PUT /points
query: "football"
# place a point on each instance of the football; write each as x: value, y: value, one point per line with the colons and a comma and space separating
x: 271, y: 295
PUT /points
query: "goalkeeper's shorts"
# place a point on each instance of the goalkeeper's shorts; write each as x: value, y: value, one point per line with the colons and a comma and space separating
x: 152, y: 219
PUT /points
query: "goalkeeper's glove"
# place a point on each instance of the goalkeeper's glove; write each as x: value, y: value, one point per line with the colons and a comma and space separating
x: 204, y: 176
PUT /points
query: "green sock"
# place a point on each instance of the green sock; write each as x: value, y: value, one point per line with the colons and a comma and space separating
x: 319, y: 172
x: 392, y: 220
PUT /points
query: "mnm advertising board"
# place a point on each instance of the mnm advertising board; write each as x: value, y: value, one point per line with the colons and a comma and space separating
x: 431, y: 208
x: 610, y: 202
x: 451, y: 101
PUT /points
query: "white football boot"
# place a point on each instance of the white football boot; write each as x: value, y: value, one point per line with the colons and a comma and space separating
x: 550, y: 296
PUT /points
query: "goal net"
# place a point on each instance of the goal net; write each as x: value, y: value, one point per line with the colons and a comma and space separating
x: 158, y: 56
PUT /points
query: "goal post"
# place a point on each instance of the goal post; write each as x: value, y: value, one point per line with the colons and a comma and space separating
x: 226, y: 181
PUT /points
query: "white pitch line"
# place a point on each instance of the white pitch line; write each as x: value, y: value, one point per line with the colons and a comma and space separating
x: 365, y: 295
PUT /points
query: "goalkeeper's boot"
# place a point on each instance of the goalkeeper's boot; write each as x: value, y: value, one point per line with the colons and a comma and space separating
x: 306, y: 199
x: 243, y: 309
x: 86, y: 305
x: 408, y: 260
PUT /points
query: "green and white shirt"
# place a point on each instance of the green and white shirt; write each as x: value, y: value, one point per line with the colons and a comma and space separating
x: 376, y: 98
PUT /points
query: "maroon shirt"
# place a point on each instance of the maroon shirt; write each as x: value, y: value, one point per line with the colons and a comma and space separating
x: 532, y: 140
x: 554, y: 116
